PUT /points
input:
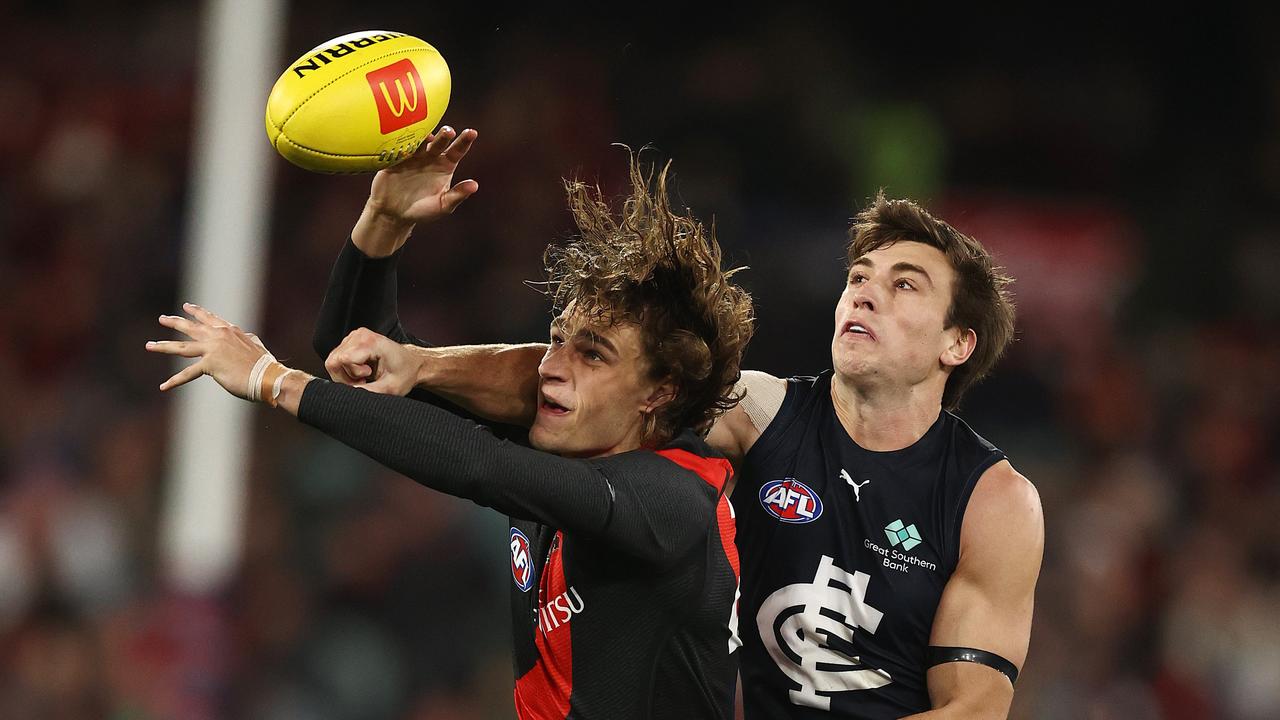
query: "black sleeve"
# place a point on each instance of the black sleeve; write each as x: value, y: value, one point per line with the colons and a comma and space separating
x: 361, y: 293
x: 638, y: 502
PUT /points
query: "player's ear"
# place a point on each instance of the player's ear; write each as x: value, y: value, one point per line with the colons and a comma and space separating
x: 663, y: 393
x: 963, y: 342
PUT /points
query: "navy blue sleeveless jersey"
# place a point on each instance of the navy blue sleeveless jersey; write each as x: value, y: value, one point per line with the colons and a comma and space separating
x: 845, y: 553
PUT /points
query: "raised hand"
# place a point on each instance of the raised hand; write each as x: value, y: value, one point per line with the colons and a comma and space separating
x: 418, y: 190
x: 421, y: 188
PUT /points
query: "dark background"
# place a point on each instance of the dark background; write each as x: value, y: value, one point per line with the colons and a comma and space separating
x: 1125, y: 166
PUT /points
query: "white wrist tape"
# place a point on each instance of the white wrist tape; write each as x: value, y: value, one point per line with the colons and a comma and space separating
x: 274, y: 398
x: 253, y: 393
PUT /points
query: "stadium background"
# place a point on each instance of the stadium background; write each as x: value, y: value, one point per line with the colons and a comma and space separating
x: 1126, y: 170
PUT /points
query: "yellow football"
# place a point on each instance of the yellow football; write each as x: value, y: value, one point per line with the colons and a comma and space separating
x: 358, y: 103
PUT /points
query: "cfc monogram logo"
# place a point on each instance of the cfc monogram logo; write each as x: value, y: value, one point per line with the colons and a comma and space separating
x: 808, y: 629
x: 399, y: 95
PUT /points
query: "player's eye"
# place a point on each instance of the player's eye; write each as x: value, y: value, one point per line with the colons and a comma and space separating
x: 904, y: 284
x: 593, y: 356
x: 857, y: 279
x: 556, y: 339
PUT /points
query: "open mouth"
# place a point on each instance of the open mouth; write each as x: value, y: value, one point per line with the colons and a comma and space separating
x: 553, y: 407
x: 857, y: 328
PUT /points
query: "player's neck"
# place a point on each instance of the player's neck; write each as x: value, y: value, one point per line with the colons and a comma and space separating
x: 884, y: 419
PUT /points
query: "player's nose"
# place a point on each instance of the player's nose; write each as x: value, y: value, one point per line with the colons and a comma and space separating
x: 864, y: 299
x: 554, y: 365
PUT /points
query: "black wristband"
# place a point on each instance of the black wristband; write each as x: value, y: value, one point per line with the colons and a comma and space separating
x: 935, y: 655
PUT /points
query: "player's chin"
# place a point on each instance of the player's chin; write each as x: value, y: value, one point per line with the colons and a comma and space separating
x: 544, y: 439
x: 843, y: 355
x: 850, y: 364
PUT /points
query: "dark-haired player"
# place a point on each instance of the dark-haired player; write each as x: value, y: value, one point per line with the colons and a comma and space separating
x: 889, y: 553
x: 622, y: 555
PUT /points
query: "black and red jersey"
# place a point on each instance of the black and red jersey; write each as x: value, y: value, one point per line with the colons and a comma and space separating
x: 637, y: 624
x: 624, y: 568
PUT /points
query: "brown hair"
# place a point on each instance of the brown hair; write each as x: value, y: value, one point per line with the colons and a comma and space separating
x: 661, y: 270
x: 979, y: 297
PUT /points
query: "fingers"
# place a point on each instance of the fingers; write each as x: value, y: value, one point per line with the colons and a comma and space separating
x: 350, y: 365
x: 383, y: 386
x: 358, y: 372
x: 181, y: 324
x: 447, y: 143
x: 460, y: 145
x: 181, y: 348
x: 207, y: 317
x: 184, y: 376
x: 457, y: 194
x: 349, y: 374
x: 438, y: 142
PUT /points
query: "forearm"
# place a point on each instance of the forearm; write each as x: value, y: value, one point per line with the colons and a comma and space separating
x: 494, y: 382
x: 447, y: 453
x: 362, y: 292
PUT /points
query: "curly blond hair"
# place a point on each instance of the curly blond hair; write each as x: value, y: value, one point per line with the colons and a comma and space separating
x: 661, y: 270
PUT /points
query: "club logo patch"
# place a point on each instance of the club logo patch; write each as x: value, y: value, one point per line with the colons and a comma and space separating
x: 813, y: 630
x: 791, y: 501
x: 521, y: 561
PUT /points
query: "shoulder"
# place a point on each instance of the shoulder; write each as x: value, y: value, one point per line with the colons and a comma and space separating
x: 760, y: 379
x: 973, y: 447
x: 1005, y: 506
x: 686, y: 465
x: 693, y: 454
x: 764, y: 398
x: 760, y: 397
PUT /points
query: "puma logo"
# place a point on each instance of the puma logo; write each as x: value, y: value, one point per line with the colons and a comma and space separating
x: 857, y: 487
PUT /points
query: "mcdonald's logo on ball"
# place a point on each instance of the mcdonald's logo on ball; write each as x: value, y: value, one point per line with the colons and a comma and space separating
x: 397, y: 89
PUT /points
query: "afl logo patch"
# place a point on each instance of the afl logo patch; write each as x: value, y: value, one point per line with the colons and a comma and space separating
x: 791, y: 501
x: 521, y: 561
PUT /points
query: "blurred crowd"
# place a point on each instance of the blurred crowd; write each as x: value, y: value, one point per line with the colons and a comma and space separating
x: 1129, y: 179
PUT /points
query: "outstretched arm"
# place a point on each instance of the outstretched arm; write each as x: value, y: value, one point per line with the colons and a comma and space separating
x: 987, y: 604
x: 638, y: 502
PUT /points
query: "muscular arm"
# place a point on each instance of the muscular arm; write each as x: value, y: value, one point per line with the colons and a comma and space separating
x: 495, y: 382
x: 987, y: 603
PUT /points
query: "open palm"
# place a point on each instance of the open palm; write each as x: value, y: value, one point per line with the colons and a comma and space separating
x: 421, y: 189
